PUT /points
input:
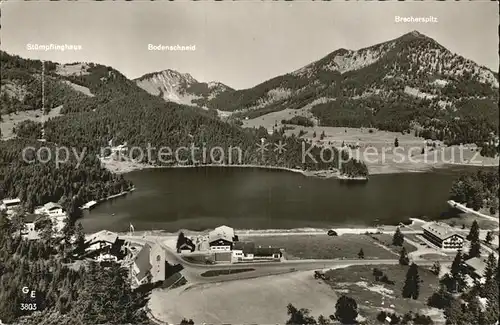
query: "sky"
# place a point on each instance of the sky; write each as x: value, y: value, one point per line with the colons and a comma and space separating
x: 240, y: 44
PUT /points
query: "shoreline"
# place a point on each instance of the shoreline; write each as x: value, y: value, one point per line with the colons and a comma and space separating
x: 89, y: 205
x: 123, y: 167
x: 306, y: 231
x: 423, y: 168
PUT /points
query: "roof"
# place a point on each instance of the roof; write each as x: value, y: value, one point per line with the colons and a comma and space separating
x: 9, y: 201
x: 30, y: 217
x: 266, y: 251
x: 477, y: 264
x: 52, y: 205
x: 105, y: 236
x: 222, y: 232
x: 249, y: 248
x: 141, y: 261
x: 246, y: 247
x: 439, y: 229
x: 187, y: 245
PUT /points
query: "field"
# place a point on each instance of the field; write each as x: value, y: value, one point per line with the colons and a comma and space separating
x: 466, y: 220
x: 10, y: 120
x: 358, y: 282
x: 251, y: 301
x: 381, y: 157
x: 386, y: 240
x: 324, y: 247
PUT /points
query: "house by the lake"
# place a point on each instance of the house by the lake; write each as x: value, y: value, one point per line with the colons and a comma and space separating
x: 247, y: 251
x: 55, y: 212
x: 221, y: 239
x: 51, y: 209
x: 105, y: 246
x: 443, y: 236
x: 223, y: 246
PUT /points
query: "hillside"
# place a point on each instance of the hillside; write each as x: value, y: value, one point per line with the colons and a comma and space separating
x: 409, y: 84
x: 99, y: 104
x: 21, y: 87
x: 180, y: 88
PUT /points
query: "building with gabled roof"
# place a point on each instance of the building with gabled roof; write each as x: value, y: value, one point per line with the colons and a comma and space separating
x: 443, y: 236
x: 51, y: 209
x: 221, y: 239
x: 102, y: 239
x: 247, y: 251
x: 141, y: 266
x: 149, y: 261
x: 476, y: 267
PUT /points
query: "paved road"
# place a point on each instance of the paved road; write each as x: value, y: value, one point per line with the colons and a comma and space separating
x: 192, y: 271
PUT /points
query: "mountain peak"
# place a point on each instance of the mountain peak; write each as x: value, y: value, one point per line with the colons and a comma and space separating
x: 415, y: 33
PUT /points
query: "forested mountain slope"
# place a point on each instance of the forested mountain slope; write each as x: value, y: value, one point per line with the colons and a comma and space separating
x: 411, y: 83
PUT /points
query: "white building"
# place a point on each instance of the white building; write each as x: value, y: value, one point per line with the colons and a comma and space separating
x: 9, y: 205
x: 150, y: 261
x: 443, y: 236
x: 51, y: 209
x: 29, y: 232
x: 246, y: 251
x: 243, y: 251
x: 56, y: 214
x: 221, y: 239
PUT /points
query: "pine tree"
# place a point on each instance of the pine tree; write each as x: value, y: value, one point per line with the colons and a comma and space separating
x: 491, y: 266
x: 490, y: 290
x: 403, y: 257
x: 181, y: 239
x: 475, y: 249
x: 489, y: 237
x: 411, y: 288
x: 398, y: 238
x: 396, y: 142
x: 458, y: 273
x: 361, y: 254
x: 80, y: 239
x: 440, y: 299
x: 474, y: 232
x: 454, y: 313
x: 346, y: 310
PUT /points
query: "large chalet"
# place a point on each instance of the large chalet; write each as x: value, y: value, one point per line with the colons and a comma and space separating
x: 443, y: 236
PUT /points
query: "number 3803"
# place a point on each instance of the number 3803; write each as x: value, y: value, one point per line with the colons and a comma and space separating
x: 28, y: 306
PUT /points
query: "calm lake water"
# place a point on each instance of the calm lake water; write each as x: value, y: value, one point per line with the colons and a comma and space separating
x: 247, y: 198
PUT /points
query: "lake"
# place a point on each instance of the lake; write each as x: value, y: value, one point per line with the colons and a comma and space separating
x: 252, y: 198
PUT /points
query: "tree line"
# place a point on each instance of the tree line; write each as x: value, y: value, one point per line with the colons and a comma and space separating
x: 70, y: 184
x: 477, y: 190
x: 65, y: 293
